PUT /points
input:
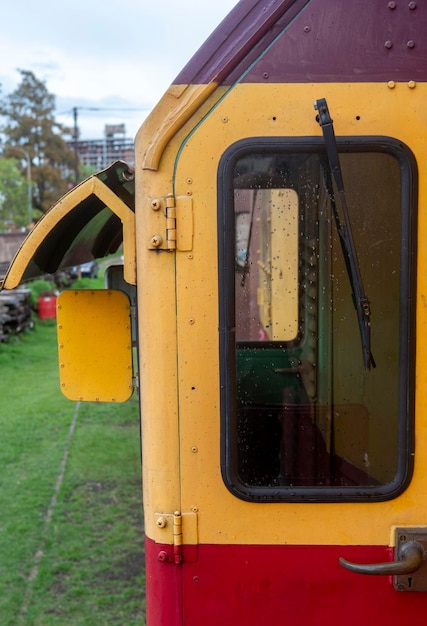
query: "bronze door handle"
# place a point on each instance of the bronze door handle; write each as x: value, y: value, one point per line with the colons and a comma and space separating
x: 411, y: 556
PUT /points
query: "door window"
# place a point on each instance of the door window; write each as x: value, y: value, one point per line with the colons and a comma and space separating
x: 302, y: 418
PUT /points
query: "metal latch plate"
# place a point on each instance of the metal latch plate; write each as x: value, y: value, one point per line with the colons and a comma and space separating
x: 416, y: 581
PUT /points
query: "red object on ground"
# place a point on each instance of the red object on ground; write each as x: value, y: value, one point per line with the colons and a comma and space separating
x: 47, y: 307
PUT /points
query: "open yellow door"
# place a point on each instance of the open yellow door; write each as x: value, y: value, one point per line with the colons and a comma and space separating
x: 89, y: 222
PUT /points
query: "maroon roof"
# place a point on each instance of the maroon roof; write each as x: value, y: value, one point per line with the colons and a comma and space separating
x: 232, y: 42
x: 314, y: 41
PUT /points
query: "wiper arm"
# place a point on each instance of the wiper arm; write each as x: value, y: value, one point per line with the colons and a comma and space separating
x: 361, y: 300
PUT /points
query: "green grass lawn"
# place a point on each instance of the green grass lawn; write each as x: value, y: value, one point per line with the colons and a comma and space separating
x: 71, y: 528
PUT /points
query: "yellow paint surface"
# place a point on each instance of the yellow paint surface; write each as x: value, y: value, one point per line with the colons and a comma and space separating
x: 95, y: 345
x: 179, y: 319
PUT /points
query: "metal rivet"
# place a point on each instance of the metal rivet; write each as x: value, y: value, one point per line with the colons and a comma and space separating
x: 224, y: 119
x: 388, y: 44
x: 391, y: 5
x: 306, y: 29
x: 163, y: 556
x: 189, y: 192
x: 189, y: 181
x: 189, y: 256
x: 265, y: 75
x: 194, y: 449
x: 161, y: 522
x: 411, y: 44
x: 191, y: 320
x: 391, y: 84
x: 412, y: 5
x: 412, y: 84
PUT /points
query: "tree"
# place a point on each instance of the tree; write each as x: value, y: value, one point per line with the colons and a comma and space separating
x: 31, y: 129
x: 13, y: 196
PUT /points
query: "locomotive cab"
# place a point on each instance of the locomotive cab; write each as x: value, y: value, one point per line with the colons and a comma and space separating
x: 285, y: 441
x: 281, y: 318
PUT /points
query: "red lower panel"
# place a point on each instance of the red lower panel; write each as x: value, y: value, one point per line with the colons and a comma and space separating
x: 233, y: 585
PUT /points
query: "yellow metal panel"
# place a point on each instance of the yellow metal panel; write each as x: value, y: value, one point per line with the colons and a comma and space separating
x: 157, y: 353
x: 179, y: 361
x: 184, y: 223
x: 95, y: 345
x: 287, y: 110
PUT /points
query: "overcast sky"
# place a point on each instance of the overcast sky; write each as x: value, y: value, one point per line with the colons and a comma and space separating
x: 104, y: 54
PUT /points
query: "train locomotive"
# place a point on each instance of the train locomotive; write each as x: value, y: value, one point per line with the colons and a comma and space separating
x: 272, y: 235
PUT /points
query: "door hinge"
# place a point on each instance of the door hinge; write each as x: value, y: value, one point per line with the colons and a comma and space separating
x: 177, y: 532
x: 172, y: 223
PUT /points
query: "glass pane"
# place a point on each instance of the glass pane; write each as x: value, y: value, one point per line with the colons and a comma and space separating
x: 305, y: 412
x: 272, y: 296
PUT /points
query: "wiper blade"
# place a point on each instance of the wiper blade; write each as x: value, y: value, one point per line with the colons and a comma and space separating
x: 361, y: 300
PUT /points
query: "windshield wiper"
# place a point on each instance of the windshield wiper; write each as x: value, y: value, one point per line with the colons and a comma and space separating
x: 360, y: 299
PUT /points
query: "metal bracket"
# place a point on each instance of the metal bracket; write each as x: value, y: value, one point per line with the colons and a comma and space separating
x: 416, y: 581
x: 180, y: 531
x: 171, y: 220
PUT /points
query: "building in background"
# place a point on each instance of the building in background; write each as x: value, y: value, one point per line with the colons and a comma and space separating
x: 100, y: 153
